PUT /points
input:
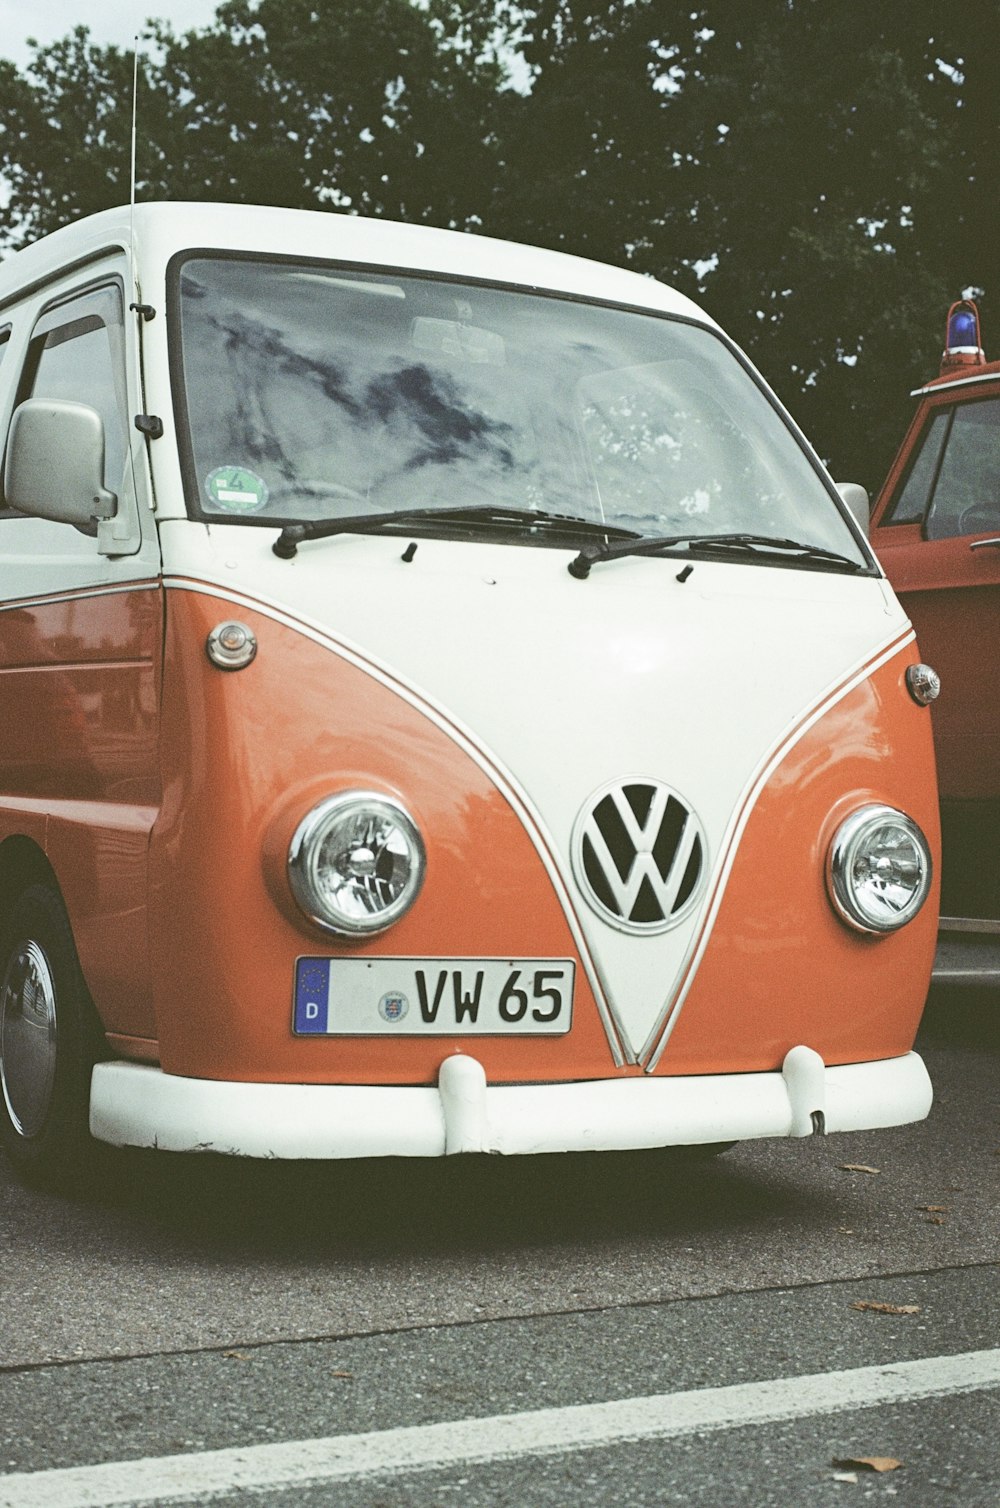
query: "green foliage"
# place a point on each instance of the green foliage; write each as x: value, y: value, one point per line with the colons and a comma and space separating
x: 809, y: 172
x: 64, y: 135
x: 819, y: 176
x: 377, y: 107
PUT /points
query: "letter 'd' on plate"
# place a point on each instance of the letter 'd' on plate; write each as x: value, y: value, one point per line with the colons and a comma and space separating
x: 444, y: 997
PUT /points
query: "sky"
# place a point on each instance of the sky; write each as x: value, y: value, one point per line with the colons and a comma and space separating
x: 115, y: 21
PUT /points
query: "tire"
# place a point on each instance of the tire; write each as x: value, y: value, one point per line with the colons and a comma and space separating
x: 49, y: 1042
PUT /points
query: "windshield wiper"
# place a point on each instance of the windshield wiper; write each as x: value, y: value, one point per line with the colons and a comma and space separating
x: 484, y: 516
x: 751, y: 546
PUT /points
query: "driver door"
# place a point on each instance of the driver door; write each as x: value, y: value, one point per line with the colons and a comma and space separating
x: 937, y: 532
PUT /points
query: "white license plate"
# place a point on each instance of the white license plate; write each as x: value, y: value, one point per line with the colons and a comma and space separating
x: 445, y: 997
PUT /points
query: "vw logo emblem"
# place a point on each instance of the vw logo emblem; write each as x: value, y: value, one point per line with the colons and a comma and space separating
x: 639, y: 855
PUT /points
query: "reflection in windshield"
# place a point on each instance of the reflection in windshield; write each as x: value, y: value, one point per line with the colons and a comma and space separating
x: 316, y: 395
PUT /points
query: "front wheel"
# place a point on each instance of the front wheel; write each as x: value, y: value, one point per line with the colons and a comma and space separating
x: 49, y: 1041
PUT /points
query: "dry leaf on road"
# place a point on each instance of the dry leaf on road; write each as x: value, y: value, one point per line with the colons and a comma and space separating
x: 877, y: 1307
x: 867, y: 1463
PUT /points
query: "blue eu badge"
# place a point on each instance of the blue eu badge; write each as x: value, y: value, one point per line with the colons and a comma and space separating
x: 312, y: 994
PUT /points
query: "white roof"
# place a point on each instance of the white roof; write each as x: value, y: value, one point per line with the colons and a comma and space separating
x: 162, y: 229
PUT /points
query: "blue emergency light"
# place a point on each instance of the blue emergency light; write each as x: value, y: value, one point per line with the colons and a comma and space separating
x: 962, y: 346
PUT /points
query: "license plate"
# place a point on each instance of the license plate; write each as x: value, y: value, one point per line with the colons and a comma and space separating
x: 445, y: 997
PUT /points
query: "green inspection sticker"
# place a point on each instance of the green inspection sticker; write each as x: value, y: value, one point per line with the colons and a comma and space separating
x: 233, y: 489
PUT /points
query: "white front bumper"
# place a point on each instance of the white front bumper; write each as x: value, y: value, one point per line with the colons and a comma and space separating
x: 135, y: 1105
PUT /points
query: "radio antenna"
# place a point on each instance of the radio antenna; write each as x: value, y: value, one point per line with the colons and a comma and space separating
x: 131, y: 200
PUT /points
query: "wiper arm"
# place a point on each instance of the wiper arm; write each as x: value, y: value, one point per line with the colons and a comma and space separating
x: 764, y: 544
x: 486, y: 514
x: 292, y: 535
x: 748, y: 544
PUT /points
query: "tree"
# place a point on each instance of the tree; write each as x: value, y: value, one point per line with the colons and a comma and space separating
x: 375, y: 106
x: 818, y: 180
x: 64, y: 135
x: 596, y: 156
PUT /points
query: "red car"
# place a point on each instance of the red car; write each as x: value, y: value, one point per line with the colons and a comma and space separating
x: 936, y: 528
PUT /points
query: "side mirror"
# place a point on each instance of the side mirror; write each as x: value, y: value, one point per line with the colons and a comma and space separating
x: 55, y: 463
x: 858, y: 506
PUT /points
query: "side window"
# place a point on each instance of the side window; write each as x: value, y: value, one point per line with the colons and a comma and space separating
x: 966, y: 497
x: 4, y: 340
x: 77, y: 352
x: 912, y: 500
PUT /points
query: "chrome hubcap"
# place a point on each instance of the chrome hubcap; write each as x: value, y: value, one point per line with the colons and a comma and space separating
x: 27, y: 1038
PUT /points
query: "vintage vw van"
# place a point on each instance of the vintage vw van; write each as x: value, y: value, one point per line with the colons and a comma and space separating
x: 446, y: 708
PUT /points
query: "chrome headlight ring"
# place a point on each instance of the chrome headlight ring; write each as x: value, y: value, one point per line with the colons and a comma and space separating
x: 879, y: 870
x: 356, y: 863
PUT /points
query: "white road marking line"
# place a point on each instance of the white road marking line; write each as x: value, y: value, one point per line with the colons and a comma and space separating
x: 429, y: 1447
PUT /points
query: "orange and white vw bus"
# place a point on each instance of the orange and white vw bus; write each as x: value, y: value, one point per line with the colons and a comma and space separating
x: 446, y: 708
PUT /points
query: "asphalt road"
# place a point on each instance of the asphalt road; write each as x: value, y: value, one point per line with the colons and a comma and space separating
x: 202, y: 1305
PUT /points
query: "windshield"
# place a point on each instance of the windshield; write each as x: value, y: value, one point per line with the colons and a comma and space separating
x: 314, y: 394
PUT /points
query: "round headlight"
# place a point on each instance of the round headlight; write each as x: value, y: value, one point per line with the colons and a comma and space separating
x: 879, y: 869
x: 356, y: 863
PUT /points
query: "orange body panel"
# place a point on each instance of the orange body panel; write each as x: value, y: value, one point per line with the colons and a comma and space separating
x: 781, y: 968
x: 79, y: 772
x: 245, y: 757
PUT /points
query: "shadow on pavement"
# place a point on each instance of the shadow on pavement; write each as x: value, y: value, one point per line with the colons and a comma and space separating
x: 475, y: 1203
x: 961, y: 1017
